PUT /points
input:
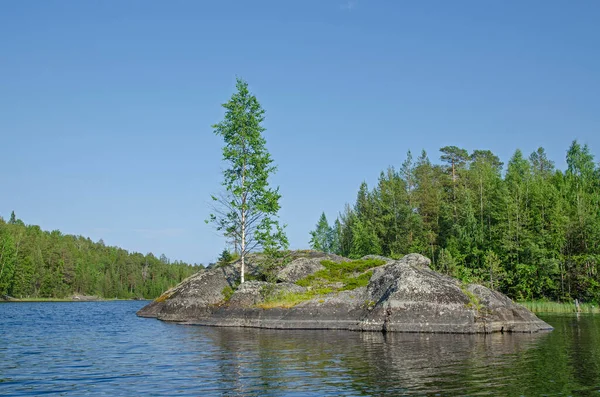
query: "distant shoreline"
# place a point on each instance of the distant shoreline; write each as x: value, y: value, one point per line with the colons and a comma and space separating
x: 69, y: 299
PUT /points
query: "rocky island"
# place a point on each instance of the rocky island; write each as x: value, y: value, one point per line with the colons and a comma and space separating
x: 324, y: 291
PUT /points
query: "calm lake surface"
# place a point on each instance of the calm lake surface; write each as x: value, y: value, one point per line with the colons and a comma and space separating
x: 103, y: 349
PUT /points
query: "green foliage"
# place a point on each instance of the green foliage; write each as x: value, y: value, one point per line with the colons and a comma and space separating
x: 559, y: 307
x: 38, y: 264
x: 533, y: 233
x: 351, y: 274
x: 446, y: 263
x: 7, y: 261
x: 227, y: 293
x: 322, y: 238
x: 272, y: 260
x: 246, y: 212
x: 496, y: 271
x: 225, y: 257
x: 474, y: 302
x: 364, y: 240
x: 290, y: 299
x: 351, y: 283
x: 335, y: 240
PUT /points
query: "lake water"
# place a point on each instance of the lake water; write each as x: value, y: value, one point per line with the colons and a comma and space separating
x: 103, y: 349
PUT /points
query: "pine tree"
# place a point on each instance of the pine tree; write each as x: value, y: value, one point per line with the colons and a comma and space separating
x: 456, y: 158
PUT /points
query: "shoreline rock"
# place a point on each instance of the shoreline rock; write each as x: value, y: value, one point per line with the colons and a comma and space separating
x: 84, y: 298
x: 401, y: 296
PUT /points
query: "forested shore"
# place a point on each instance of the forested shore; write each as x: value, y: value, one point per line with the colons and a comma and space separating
x: 41, y: 264
x: 528, y: 229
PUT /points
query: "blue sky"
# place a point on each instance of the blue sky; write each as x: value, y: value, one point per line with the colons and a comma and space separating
x: 106, y: 107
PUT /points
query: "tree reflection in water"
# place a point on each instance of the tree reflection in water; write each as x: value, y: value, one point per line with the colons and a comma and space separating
x: 350, y: 363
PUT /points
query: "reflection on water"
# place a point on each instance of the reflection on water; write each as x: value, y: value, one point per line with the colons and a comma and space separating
x: 370, y: 363
x: 101, y: 348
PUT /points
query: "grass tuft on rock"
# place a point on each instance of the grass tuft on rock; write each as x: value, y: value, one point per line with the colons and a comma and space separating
x: 344, y: 276
x: 291, y: 299
x: 351, y: 274
x: 227, y: 293
x: 474, y: 302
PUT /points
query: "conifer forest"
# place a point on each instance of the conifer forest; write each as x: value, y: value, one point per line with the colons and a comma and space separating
x: 524, y: 228
x: 41, y: 264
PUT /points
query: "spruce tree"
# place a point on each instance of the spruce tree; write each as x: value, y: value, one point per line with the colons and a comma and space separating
x: 321, y: 237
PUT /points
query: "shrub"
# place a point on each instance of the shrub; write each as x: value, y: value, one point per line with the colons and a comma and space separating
x: 227, y: 293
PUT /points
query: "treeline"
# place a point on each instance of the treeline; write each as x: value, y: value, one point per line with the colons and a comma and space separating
x: 41, y: 264
x: 527, y: 229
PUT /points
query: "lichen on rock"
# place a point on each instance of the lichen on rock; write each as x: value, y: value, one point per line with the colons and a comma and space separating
x: 299, y: 269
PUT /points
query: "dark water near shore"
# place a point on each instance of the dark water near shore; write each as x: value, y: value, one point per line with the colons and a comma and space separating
x: 103, y: 349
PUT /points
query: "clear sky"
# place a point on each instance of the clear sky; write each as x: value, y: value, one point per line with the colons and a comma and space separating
x: 106, y: 107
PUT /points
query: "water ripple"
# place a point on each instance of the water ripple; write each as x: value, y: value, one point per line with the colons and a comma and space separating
x: 103, y: 349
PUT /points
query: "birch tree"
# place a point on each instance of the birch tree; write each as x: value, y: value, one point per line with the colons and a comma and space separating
x: 247, y: 210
